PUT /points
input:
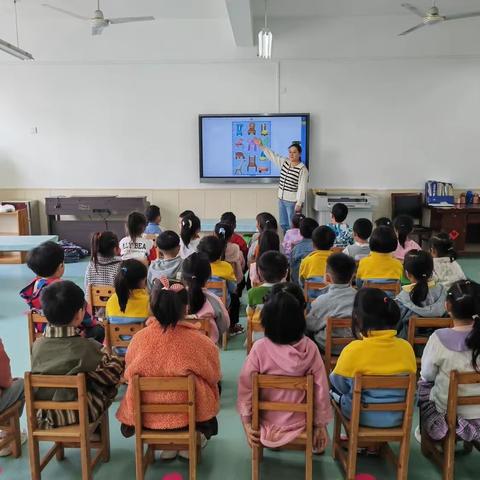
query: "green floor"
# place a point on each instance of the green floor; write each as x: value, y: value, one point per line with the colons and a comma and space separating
x: 226, y: 456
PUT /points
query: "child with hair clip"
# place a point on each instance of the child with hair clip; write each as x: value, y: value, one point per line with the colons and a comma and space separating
x: 231, y: 253
x: 446, y: 269
x: 189, y: 234
x: 383, y: 222
x: 285, y: 350
x: 449, y: 349
x: 378, y: 351
x: 196, y: 272
x: 267, y: 241
x: 293, y: 235
x: 423, y: 297
x: 129, y: 303
x: 171, y: 347
x: 403, y: 226
x: 231, y: 219
x: 134, y: 245
x: 265, y: 221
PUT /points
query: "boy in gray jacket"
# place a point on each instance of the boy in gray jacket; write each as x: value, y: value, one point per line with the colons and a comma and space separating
x: 336, y: 302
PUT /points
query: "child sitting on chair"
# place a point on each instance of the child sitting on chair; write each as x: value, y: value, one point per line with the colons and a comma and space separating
x: 135, y: 245
x: 190, y: 227
x: 403, y: 226
x: 268, y: 241
x: 362, y: 229
x: 451, y: 349
x: 423, y: 297
x: 446, y: 269
x: 303, y: 247
x: 62, y: 351
x: 378, y: 351
x: 171, y: 347
x: 46, y: 261
x: 336, y: 302
x: 343, y: 233
x: 196, y: 272
x: 170, y: 263
x: 285, y: 350
x: 231, y: 251
x: 293, y: 235
x: 231, y: 219
x: 154, y: 218
x: 265, y: 221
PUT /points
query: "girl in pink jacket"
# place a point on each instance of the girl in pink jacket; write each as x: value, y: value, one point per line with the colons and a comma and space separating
x: 284, y: 350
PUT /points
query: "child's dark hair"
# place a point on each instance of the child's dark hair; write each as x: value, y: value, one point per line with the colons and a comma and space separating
x: 283, y: 314
x: 383, y: 240
x: 168, y: 240
x: 443, y: 246
x: 266, y: 221
x: 45, y: 259
x: 463, y: 300
x: 211, y: 247
x: 224, y: 232
x: 61, y: 301
x: 196, y: 271
x: 419, y: 264
x: 383, y: 222
x: 373, y: 309
x: 403, y: 225
x: 307, y: 226
x: 230, y: 218
x: 339, y: 212
x: 268, y: 240
x: 168, y: 306
x: 272, y: 266
x: 323, y: 238
x: 103, y: 243
x: 363, y: 228
x: 296, y: 219
x: 128, y: 278
x: 152, y: 213
x: 341, y: 267
x: 296, y: 145
x: 136, y: 225
x: 185, y: 213
x: 190, y: 227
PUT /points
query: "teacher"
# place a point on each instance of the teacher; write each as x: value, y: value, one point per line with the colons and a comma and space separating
x: 293, y: 181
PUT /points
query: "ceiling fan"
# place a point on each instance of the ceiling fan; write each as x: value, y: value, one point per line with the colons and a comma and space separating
x: 98, y: 21
x: 432, y: 16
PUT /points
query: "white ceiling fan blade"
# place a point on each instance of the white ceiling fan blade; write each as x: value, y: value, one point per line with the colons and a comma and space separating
x: 462, y: 15
x: 66, y: 12
x: 413, y: 9
x: 130, y: 19
x: 416, y: 27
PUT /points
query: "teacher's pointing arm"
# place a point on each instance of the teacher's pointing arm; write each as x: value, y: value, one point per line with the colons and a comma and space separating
x: 271, y: 155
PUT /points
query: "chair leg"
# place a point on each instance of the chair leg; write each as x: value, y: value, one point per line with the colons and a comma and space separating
x: 337, y: 428
x: 60, y: 453
x: 352, y: 457
x: 17, y: 442
x: 308, y: 463
x: 105, y: 437
x: 139, y: 470
x: 34, y: 454
x: 403, y: 456
x: 449, y: 456
x: 192, y: 461
x: 255, y: 463
x: 86, y: 458
x: 224, y: 340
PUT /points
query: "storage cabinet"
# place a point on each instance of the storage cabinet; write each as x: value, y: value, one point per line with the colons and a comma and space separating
x: 14, y: 223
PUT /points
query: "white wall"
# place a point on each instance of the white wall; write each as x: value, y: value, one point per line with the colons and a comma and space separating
x: 387, y: 112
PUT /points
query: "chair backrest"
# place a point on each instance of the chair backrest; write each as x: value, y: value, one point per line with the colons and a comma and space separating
x: 254, y: 324
x: 219, y: 288
x: 33, y: 318
x: 373, y: 382
x: 118, y: 335
x: 390, y: 287
x: 311, y: 289
x: 260, y: 382
x: 152, y: 237
x: 71, y: 382
x: 164, y: 384
x: 331, y: 341
x: 414, y: 323
x: 99, y: 295
x: 203, y: 322
x: 408, y: 204
x: 454, y: 400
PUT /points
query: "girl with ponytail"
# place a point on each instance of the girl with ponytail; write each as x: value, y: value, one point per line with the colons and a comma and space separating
x: 265, y: 221
x: 267, y: 242
x: 196, y: 272
x: 189, y: 234
x: 423, y: 297
x: 448, y: 349
x: 446, y: 268
x: 231, y: 251
x: 403, y: 226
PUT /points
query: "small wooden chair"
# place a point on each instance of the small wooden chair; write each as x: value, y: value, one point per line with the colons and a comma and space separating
x: 71, y: 436
x: 204, y: 322
x: 331, y: 341
x: 115, y: 333
x: 152, y: 237
x: 303, y: 442
x: 254, y: 324
x: 187, y: 439
x: 414, y: 323
x: 99, y: 295
x: 308, y: 287
x: 444, y: 457
x: 10, y: 426
x: 389, y: 287
x: 219, y: 288
x: 359, y: 436
x: 34, y: 317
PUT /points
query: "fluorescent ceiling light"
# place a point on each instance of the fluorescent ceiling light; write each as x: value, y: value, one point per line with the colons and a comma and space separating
x: 265, y: 39
x: 15, y: 51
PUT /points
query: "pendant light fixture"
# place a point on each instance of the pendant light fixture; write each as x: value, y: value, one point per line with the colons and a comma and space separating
x: 12, y: 49
x: 265, y: 39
